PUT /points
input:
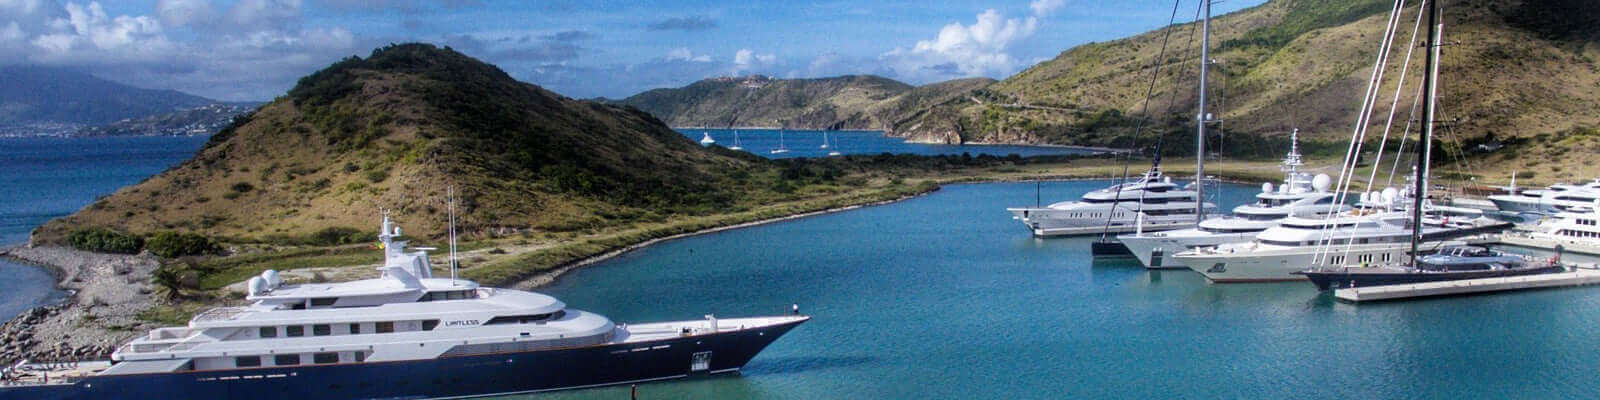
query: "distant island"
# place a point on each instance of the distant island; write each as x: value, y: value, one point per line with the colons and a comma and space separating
x: 64, y: 102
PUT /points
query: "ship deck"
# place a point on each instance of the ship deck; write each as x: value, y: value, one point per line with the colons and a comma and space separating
x: 1577, y: 277
x: 666, y: 330
x: 39, y: 373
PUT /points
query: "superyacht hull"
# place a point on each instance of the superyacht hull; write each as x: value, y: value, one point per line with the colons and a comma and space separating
x: 1369, y: 277
x: 1283, y: 264
x: 1048, y: 222
x: 484, y: 372
x: 1155, y: 251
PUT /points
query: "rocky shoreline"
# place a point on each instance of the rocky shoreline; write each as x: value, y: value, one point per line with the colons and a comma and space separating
x: 106, y: 292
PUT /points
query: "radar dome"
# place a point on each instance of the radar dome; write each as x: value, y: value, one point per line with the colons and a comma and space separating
x: 1321, y: 182
x: 1266, y: 187
x: 271, y: 279
x: 257, y: 286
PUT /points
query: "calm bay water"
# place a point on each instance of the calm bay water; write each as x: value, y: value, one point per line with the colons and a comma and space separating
x: 45, y: 178
x: 944, y: 296
x: 808, y: 144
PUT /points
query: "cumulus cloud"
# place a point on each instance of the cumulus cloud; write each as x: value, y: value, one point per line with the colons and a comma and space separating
x: 745, y: 60
x: 979, y: 49
x: 694, y: 23
x: 1043, y: 8
x: 175, y: 13
x: 683, y: 54
x: 88, y: 33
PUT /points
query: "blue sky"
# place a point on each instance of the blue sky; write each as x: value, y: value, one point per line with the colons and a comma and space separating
x: 255, y: 49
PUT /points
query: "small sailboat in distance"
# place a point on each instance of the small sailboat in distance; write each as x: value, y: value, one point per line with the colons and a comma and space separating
x: 824, y: 140
x: 835, y: 152
x: 736, y: 145
x: 780, y: 149
x: 706, y: 140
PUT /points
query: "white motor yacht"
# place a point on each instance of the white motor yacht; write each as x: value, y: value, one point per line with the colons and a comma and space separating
x: 1152, y: 203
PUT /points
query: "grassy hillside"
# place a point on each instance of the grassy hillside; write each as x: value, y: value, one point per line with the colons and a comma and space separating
x: 1514, y: 69
x: 393, y: 130
x: 846, y: 102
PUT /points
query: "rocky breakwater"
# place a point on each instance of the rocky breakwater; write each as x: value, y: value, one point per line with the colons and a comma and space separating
x: 107, y: 293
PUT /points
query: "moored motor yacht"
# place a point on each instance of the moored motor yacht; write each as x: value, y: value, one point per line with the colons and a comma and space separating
x: 1152, y: 203
x: 404, y: 334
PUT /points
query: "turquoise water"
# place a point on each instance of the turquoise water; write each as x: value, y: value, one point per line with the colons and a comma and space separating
x: 945, y: 296
x: 808, y: 144
x: 45, y: 178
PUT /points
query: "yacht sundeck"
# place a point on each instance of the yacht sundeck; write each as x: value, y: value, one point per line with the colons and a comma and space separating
x: 404, y: 334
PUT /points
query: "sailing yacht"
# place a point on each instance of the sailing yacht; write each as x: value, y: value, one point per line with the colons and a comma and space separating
x: 706, y: 140
x: 736, y: 145
x: 780, y: 149
x: 1151, y: 203
x: 1300, y: 195
x: 403, y: 334
x: 824, y: 140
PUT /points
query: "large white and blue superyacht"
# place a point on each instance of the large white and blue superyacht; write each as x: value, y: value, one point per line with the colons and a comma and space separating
x: 404, y: 334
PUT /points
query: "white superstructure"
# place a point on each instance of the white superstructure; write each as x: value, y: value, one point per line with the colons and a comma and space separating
x: 1574, y: 231
x: 1300, y: 195
x: 1153, y: 200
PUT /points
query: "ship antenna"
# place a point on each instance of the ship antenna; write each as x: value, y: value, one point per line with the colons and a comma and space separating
x: 451, y: 198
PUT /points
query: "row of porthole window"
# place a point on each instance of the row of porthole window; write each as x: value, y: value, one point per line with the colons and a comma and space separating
x: 267, y: 332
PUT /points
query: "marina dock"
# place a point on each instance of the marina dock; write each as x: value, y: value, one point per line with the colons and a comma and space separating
x: 1577, y: 277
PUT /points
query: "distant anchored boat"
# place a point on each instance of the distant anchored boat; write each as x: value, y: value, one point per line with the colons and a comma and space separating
x: 404, y: 334
x: 706, y: 139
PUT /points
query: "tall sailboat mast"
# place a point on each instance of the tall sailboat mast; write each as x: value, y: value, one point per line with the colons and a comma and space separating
x: 1200, y: 134
x: 1429, y: 90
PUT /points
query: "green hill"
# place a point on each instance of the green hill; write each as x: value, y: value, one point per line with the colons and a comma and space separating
x: 1513, y: 69
x: 393, y: 130
x: 32, y: 94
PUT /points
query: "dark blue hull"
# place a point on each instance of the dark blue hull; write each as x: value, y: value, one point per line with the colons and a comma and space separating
x: 459, y: 376
x: 1326, y: 280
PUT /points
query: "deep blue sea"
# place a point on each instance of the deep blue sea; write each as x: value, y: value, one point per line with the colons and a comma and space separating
x: 809, y: 144
x: 945, y: 297
x: 44, y: 178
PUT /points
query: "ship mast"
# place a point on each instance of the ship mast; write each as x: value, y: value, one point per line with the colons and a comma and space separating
x: 1429, y: 89
x: 1200, y: 134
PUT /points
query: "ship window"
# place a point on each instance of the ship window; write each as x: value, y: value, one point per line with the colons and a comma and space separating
x: 323, y: 301
x: 355, y: 329
x: 361, y: 356
x: 286, y: 359
x: 429, y: 324
x: 295, y: 330
x: 525, y: 319
x: 385, y: 327
x: 325, y: 358
x: 269, y: 332
x: 321, y: 330
x: 247, y: 361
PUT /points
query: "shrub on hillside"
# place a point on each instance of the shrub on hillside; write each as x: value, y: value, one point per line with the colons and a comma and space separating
x: 101, y: 240
x: 338, y: 235
x: 173, y: 244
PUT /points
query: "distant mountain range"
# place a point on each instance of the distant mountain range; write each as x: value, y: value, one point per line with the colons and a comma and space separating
x: 846, y: 102
x: 59, y: 101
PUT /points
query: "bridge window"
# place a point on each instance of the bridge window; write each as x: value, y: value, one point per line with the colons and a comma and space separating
x: 525, y: 319
x: 449, y: 295
x: 247, y: 361
x: 355, y: 329
x: 295, y: 330
x: 324, y: 301
x: 321, y: 330
x: 385, y: 327
x: 286, y: 359
x: 269, y: 332
x: 429, y: 324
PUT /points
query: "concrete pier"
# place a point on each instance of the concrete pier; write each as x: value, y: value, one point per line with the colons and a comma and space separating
x: 1576, y: 277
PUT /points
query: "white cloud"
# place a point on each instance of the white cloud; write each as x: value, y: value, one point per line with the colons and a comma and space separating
x: 746, y: 60
x: 177, y: 13
x: 1043, y: 8
x: 683, y: 54
x: 87, y: 32
x: 12, y: 33
x: 980, y: 49
x: 265, y: 14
